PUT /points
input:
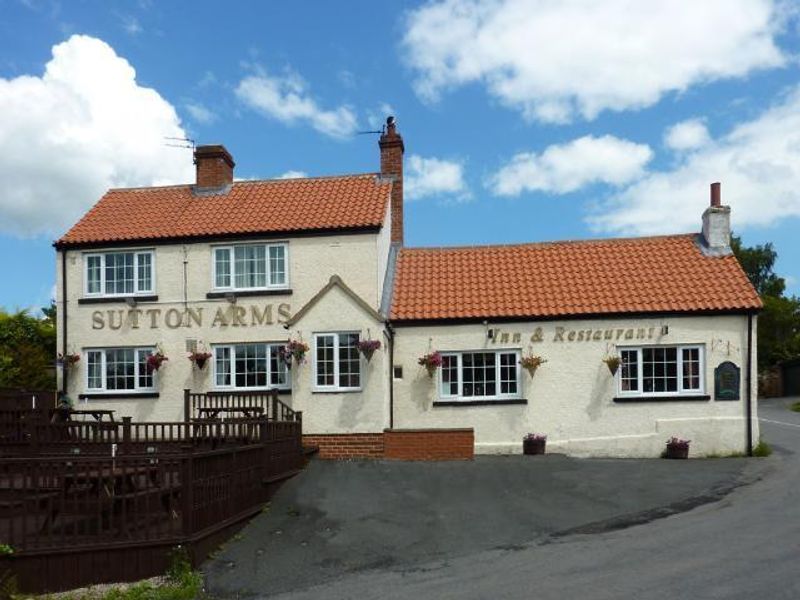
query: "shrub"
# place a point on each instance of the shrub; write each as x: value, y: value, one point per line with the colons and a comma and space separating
x: 762, y: 449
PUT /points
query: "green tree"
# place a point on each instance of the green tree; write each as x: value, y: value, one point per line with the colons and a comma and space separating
x: 27, y: 351
x: 779, y: 321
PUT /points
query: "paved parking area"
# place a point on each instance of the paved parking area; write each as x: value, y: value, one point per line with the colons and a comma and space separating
x: 344, y: 517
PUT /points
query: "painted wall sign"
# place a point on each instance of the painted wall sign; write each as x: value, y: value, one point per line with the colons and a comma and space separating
x: 173, y: 318
x: 727, y: 379
x: 563, y: 334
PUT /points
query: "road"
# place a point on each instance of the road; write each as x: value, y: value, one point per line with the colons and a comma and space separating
x: 746, y: 545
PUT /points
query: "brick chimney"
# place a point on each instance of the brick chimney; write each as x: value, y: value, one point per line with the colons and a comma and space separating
x: 214, y: 167
x: 717, y: 225
x: 391, y: 145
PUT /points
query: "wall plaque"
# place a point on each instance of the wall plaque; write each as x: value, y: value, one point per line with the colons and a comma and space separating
x: 727, y: 381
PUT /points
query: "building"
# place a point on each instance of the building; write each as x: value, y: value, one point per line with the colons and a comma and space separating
x: 240, y: 269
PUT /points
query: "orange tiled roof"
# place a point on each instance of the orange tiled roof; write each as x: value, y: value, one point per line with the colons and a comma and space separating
x: 655, y: 274
x: 250, y: 207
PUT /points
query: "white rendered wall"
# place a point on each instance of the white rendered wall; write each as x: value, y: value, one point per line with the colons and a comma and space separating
x: 570, y: 398
x: 312, y: 261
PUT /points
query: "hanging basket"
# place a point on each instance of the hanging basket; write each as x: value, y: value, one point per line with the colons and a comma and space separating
x: 200, y: 359
x: 154, y: 361
x: 531, y: 363
x: 613, y: 363
x: 368, y: 348
x: 431, y: 362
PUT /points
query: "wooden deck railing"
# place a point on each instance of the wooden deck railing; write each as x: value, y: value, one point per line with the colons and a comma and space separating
x: 134, y: 490
x: 198, y: 405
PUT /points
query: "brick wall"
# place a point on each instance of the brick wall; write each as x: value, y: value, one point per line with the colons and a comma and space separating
x: 347, y: 445
x: 429, y: 444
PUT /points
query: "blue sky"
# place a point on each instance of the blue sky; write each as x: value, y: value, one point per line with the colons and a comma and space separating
x: 524, y: 120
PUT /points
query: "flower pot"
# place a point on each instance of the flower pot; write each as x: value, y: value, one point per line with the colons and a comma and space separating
x: 532, y: 447
x: 674, y: 451
x: 200, y: 362
x: 431, y: 370
x: 531, y: 370
x: 368, y: 352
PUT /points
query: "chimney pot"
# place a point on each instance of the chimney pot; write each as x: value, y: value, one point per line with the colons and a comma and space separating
x: 214, y: 167
x: 716, y: 194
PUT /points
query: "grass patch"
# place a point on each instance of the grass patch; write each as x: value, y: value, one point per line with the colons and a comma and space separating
x: 795, y: 407
x: 179, y: 583
x: 762, y: 449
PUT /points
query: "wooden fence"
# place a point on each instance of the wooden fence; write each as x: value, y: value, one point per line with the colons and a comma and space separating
x: 90, y: 502
x: 11, y: 399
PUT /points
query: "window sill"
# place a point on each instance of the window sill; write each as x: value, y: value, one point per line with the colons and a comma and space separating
x: 347, y: 391
x: 117, y: 395
x: 500, y: 401
x: 686, y: 398
x: 248, y: 391
x: 248, y: 293
x: 118, y: 299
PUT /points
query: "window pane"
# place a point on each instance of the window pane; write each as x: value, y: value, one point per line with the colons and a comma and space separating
x: 119, y: 273
x: 250, y: 266
x: 251, y: 365
x: 691, y: 368
x: 93, y: 274
x: 222, y: 358
x: 660, y: 369
x: 349, y: 361
x: 629, y: 375
x: 449, y: 375
x: 144, y: 280
x: 479, y: 374
x: 120, y: 369
x: 278, y: 373
x: 222, y: 263
x: 324, y: 360
x: 94, y: 364
x: 145, y: 378
x: 508, y: 373
x: 277, y: 265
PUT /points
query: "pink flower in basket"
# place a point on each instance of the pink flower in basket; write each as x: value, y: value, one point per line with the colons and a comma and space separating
x: 199, y: 358
x: 294, y: 349
x: 154, y: 361
x: 368, y: 348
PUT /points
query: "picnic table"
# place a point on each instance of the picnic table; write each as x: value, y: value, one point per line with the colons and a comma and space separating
x: 212, y: 412
x: 96, y: 413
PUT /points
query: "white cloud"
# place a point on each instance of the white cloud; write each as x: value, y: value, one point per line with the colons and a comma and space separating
x: 687, y: 135
x: 131, y: 25
x: 85, y: 125
x: 287, y: 99
x: 433, y: 177
x: 291, y: 174
x: 758, y: 163
x: 564, y: 168
x: 200, y: 113
x: 553, y: 60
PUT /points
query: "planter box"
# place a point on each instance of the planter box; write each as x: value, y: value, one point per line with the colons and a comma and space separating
x: 532, y: 447
x: 676, y: 452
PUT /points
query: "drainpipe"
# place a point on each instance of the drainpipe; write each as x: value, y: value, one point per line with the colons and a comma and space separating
x: 390, y: 336
x: 63, y: 319
x: 749, y: 384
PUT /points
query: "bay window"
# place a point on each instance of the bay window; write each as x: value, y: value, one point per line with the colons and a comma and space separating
x: 250, y: 366
x: 480, y: 375
x: 661, y: 371
x: 250, y: 266
x: 337, y: 362
x: 119, y: 273
x: 119, y: 370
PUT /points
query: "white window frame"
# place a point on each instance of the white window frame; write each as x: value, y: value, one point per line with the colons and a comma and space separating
x: 231, y: 249
x: 136, y: 291
x: 681, y: 391
x: 336, y: 387
x: 104, y: 389
x: 459, y: 397
x: 233, y: 387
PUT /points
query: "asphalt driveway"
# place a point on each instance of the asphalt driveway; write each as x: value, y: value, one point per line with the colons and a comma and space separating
x: 338, y: 518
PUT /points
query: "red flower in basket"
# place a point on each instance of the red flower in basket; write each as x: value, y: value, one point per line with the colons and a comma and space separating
x: 69, y: 359
x: 296, y: 350
x: 154, y: 361
x: 431, y: 362
x: 199, y: 358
